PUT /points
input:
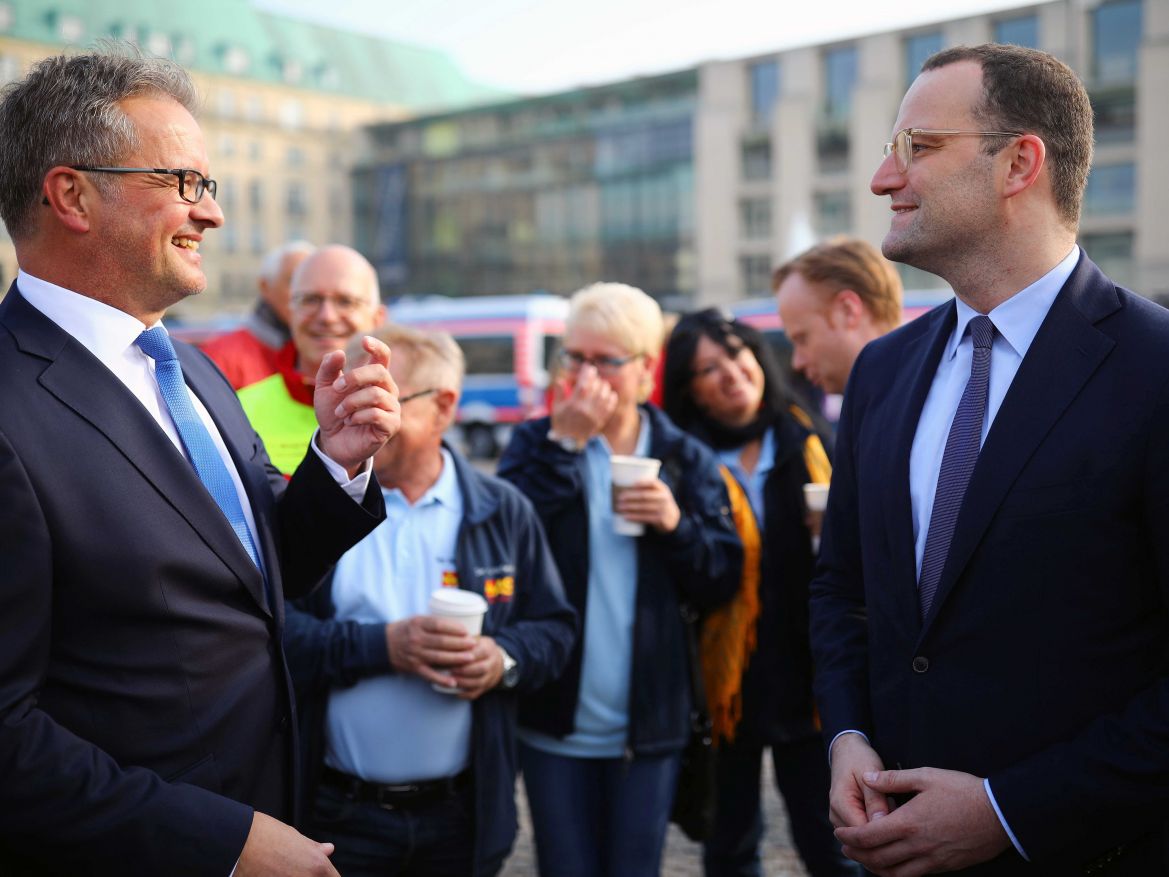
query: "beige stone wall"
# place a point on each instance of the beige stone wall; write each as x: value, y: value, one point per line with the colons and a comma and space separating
x: 262, y: 136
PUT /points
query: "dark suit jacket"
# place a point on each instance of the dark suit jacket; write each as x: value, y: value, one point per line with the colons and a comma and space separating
x: 145, y: 705
x: 1042, y: 663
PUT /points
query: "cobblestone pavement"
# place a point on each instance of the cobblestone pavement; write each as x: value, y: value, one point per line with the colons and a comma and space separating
x: 682, y: 858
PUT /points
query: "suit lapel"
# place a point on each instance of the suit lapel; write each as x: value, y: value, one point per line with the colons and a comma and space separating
x: 80, y: 381
x: 1066, y: 352
x: 911, y: 385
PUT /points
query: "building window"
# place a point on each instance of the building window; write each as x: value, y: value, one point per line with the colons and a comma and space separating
x: 755, y: 218
x: 256, y: 196
x: 254, y: 108
x: 294, y: 156
x: 297, y: 202
x: 1113, y: 253
x: 255, y: 150
x: 917, y: 49
x: 230, y: 237
x: 226, y: 145
x: 236, y: 60
x: 833, y: 213
x: 9, y: 68
x: 1116, y: 37
x: 764, y: 82
x: 1023, y: 30
x: 757, y: 160
x: 258, y: 246
x: 1111, y: 190
x: 832, y: 140
x: 755, y: 273
x: 839, y: 81
x: 291, y: 114
x: 225, y: 102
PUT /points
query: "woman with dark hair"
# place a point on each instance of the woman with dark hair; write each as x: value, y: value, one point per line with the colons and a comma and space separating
x: 724, y: 386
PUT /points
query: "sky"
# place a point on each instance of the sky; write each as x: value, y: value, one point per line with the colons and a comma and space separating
x: 540, y: 46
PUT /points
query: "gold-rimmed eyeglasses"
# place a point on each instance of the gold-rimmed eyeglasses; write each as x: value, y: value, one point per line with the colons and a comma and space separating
x: 902, y: 146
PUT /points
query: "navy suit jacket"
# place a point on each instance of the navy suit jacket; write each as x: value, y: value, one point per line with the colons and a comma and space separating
x: 1042, y: 662
x: 145, y: 705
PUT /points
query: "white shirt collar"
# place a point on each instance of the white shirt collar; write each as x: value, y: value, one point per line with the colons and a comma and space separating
x: 1018, y: 319
x: 104, y: 331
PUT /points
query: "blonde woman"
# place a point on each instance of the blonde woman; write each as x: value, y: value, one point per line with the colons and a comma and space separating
x: 600, y: 745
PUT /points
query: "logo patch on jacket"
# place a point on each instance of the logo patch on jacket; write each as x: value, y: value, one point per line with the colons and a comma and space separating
x: 450, y: 578
x: 499, y: 590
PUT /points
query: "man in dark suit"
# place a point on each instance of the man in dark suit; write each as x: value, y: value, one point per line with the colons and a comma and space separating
x: 989, y: 615
x: 145, y: 703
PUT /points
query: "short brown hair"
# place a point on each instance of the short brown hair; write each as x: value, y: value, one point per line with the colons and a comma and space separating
x: 1032, y: 92
x: 850, y: 263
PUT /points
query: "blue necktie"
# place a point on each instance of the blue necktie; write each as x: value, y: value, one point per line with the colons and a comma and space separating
x: 210, y: 467
x: 962, y: 446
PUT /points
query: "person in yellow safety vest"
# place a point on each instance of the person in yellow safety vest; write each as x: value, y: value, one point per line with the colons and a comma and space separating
x: 335, y: 299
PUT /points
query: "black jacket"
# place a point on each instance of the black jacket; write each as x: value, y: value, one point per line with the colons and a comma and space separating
x: 777, y: 687
x: 536, y: 627
x: 699, y: 562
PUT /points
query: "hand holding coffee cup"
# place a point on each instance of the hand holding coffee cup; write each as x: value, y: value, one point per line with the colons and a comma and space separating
x: 639, y: 497
x: 816, y: 502
x: 466, y: 608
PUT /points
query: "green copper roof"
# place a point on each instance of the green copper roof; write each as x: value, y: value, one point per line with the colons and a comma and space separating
x: 232, y: 38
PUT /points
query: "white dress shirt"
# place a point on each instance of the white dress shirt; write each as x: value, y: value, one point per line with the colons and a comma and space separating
x: 109, y: 334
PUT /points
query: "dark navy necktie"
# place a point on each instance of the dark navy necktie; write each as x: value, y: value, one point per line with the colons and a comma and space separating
x: 200, y: 448
x: 958, y: 459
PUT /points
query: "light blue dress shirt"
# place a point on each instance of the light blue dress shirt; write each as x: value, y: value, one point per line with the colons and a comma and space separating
x: 601, y: 721
x: 752, y: 484
x: 1016, y: 322
x: 395, y: 728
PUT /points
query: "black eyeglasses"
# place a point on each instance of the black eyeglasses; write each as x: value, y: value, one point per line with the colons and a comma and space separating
x: 572, y: 361
x: 192, y: 184
x: 418, y: 395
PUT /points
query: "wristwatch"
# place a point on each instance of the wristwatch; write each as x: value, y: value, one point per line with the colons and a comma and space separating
x: 573, y: 446
x: 511, y: 669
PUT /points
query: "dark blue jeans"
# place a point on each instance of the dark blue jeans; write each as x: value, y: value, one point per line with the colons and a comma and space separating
x: 432, y: 840
x: 599, y: 817
x: 801, y: 774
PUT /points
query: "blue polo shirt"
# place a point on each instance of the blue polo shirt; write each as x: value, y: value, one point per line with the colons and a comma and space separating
x: 395, y: 728
x: 601, y: 723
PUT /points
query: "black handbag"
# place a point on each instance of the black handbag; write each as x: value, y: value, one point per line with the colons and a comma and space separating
x: 694, y: 796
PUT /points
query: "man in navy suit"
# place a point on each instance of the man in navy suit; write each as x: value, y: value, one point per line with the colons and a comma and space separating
x: 145, y: 704
x: 989, y: 616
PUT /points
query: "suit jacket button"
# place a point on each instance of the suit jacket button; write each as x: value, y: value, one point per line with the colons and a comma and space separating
x: 921, y: 664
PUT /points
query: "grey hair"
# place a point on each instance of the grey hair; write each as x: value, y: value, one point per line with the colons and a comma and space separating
x: 66, y: 111
x: 270, y: 267
x: 435, y: 358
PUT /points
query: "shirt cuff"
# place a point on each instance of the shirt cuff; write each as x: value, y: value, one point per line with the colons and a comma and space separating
x: 1003, y: 821
x: 862, y: 735
x: 355, y: 487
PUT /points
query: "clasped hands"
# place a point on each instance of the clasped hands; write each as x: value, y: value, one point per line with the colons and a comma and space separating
x: 358, y: 409
x: 949, y: 824
x: 441, y: 651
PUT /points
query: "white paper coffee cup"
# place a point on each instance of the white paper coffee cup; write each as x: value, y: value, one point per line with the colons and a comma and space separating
x: 465, y: 607
x: 816, y: 497
x: 625, y: 472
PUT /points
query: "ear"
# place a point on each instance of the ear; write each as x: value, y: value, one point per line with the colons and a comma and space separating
x: 446, y: 404
x: 379, y: 316
x: 847, y: 308
x: 69, y: 197
x: 1028, y: 157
